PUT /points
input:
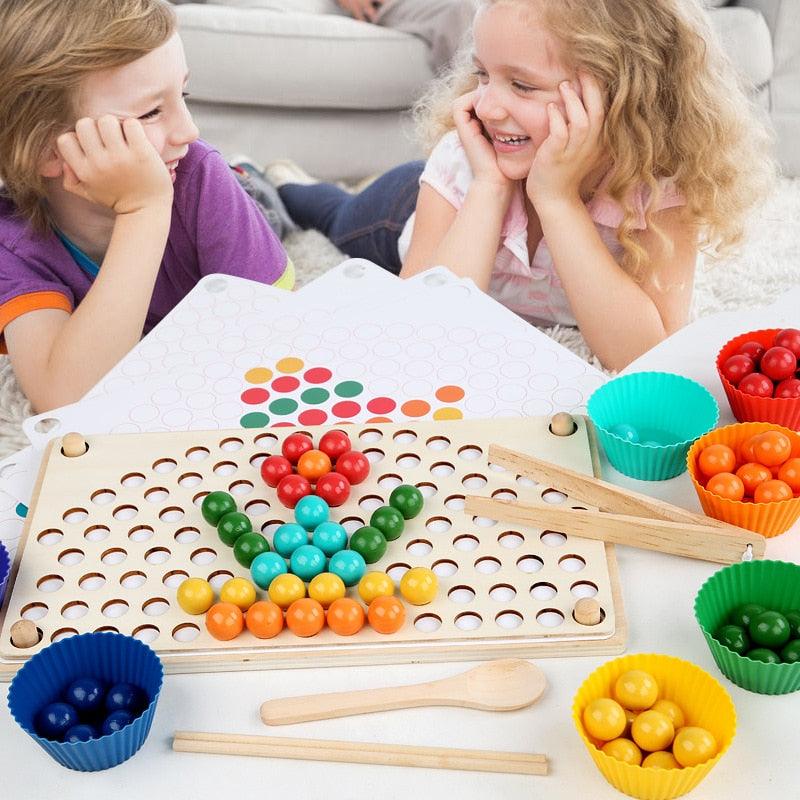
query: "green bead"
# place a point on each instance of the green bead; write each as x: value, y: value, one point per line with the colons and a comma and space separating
x: 369, y: 543
x: 216, y: 505
x: 742, y: 615
x: 791, y: 652
x: 232, y: 526
x: 765, y: 655
x: 248, y: 546
x: 734, y: 638
x: 407, y: 500
x: 769, y: 629
x: 793, y: 618
x: 389, y: 521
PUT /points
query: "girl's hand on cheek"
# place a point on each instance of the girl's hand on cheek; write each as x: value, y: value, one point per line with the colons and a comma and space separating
x: 573, y: 147
x: 113, y: 164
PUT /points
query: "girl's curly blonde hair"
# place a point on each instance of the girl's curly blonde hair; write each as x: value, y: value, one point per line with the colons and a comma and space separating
x: 675, y: 108
x: 47, y: 47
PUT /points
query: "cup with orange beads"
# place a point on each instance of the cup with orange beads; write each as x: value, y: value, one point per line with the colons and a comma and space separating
x: 748, y: 474
x: 654, y: 725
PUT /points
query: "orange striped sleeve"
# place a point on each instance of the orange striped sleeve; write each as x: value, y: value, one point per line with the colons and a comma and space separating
x: 33, y: 301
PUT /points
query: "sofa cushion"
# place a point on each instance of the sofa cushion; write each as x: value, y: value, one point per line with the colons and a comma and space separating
x: 747, y: 41
x: 264, y: 57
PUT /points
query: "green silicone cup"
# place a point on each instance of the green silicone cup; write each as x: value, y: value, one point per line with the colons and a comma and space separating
x: 774, y: 585
x: 677, y: 408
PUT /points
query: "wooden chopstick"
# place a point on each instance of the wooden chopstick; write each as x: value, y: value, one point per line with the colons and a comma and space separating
x: 703, y: 542
x: 394, y: 755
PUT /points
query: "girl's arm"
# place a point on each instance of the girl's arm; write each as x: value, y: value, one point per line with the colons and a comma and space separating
x: 58, y: 356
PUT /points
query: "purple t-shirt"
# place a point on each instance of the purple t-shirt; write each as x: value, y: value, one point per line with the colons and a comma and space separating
x: 216, y: 227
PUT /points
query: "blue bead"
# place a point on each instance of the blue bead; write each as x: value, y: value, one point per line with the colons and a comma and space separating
x: 348, y: 565
x: 80, y: 733
x: 288, y: 538
x: 627, y: 432
x: 307, y: 562
x: 85, y: 694
x: 116, y: 721
x: 330, y: 537
x: 311, y: 511
x: 55, y: 719
x: 124, y: 697
x: 265, y: 567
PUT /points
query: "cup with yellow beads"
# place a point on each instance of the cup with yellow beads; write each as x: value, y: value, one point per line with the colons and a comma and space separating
x: 653, y: 724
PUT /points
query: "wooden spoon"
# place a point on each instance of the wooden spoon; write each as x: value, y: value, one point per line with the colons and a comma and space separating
x: 503, y: 685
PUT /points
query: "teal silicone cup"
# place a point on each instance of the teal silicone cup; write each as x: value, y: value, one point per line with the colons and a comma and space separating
x: 680, y: 409
x: 111, y: 657
x: 774, y: 585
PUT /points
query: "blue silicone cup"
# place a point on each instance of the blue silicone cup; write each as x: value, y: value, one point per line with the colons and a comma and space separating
x: 679, y: 409
x: 5, y: 567
x: 111, y: 657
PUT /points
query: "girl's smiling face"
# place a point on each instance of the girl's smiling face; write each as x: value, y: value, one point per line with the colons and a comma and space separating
x: 519, y: 69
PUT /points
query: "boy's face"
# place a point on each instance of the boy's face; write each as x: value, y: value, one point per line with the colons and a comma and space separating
x: 150, y: 89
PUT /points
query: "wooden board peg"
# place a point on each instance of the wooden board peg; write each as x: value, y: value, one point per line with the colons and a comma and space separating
x: 24, y: 634
x: 562, y: 424
x: 587, y: 611
x: 73, y: 445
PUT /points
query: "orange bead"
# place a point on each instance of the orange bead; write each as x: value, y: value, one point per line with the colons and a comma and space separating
x: 386, y: 614
x: 224, y: 621
x: 726, y: 485
x: 314, y: 464
x: 790, y: 473
x: 716, y: 458
x: 772, y: 491
x: 264, y: 619
x: 746, y: 452
x: 345, y: 616
x: 305, y: 617
x: 752, y: 475
x: 772, y: 448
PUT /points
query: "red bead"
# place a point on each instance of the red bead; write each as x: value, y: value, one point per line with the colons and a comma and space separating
x: 752, y: 349
x: 274, y: 468
x: 333, y: 488
x: 737, y: 367
x: 353, y: 465
x: 778, y: 363
x: 335, y: 444
x: 295, y: 445
x: 756, y: 384
x: 292, y: 488
x: 790, y: 339
x: 788, y: 388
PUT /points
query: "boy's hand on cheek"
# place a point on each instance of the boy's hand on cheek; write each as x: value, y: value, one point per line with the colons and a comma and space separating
x: 113, y: 164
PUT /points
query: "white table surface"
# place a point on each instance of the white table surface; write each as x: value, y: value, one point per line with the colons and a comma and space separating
x: 658, y: 591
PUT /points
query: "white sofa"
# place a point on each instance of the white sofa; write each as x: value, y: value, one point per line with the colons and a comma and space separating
x: 298, y: 79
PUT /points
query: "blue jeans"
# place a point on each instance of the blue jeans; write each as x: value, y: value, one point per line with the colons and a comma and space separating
x: 365, y: 225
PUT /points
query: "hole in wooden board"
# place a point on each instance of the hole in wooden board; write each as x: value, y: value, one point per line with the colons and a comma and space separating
x: 427, y: 623
x: 474, y: 481
x: 442, y: 469
x: 155, y: 606
x: 543, y: 591
x: 470, y: 452
x: 50, y: 583
x: 157, y: 555
x: 389, y: 481
x: 141, y: 533
x: 92, y: 581
x: 529, y: 563
x: 396, y: 571
x: 156, y: 495
x: 174, y: 578
x: 133, y: 579
x: 444, y: 568
x: 50, y: 537
x: 74, y: 610
x: 187, y: 535
x: 258, y: 459
x: 419, y: 547
x: 96, y: 533
x: 553, y: 496
x: 405, y: 437
x: 199, y: 497
x: 189, y: 480
x: 408, y: 461
x: 374, y: 455
x: 63, y: 633
x: 231, y: 444
x: 197, y: 454
x: 125, y: 512
x: 438, y: 525
x: 550, y: 617
x: 506, y: 495
x: 466, y: 542
x: 185, y: 633
x: 218, y: 579
x: 146, y: 633
x: 487, y: 565
x: 102, y: 497
x: 113, y: 556
x: 581, y: 589
x: 224, y: 469
x: 270, y: 526
x: 267, y: 441
x: 370, y: 502
x: 427, y: 490
x: 132, y: 480
x: 572, y: 563
x: 171, y: 514
x: 526, y: 482
x: 602, y: 616
x: 509, y: 619
x: 255, y: 508
x: 370, y: 435
x: 74, y: 515
x: 203, y: 556
x: 352, y: 524
x: 468, y: 621
x: 553, y: 538
x: 461, y: 594
x: 455, y: 502
x: 496, y: 467
x: 502, y: 592
x: 34, y: 611
x: 240, y: 488
x: 115, y: 608
x: 484, y: 522
x: 165, y: 465
x: 511, y: 540
x: 438, y: 443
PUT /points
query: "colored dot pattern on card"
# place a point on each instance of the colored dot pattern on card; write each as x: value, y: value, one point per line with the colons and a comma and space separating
x: 289, y: 365
x: 258, y: 375
x: 255, y: 419
x: 254, y: 397
x: 285, y: 384
x: 315, y: 396
x: 348, y: 389
x: 415, y: 408
x: 381, y: 405
x: 318, y: 375
x: 283, y: 406
x: 346, y: 409
x: 450, y: 394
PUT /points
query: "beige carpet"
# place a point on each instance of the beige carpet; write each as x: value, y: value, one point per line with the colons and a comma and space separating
x: 767, y: 265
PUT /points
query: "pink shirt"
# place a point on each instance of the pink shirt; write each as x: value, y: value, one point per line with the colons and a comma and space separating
x: 529, y: 287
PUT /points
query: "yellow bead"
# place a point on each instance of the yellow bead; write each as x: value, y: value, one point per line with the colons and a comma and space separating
x: 661, y: 759
x: 652, y: 730
x: 325, y: 588
x: 238, y: 591
x: 693, y: 746
x: 285, y: 589
x: 195, y: 596
x: 623, y: 750
x: 636, y: 690
x: 672, y: 710
x: 419, y: 586
x: 604, y: 719
x: 375, y: 584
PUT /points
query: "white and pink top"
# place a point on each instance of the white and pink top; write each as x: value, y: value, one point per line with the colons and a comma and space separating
x: 528, y: 286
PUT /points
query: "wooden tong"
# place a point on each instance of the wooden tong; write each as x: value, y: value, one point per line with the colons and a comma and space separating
x: 624, y: 517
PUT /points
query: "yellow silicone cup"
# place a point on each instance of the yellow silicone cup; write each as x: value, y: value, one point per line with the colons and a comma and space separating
x: 768, y: 519
x: 704, y: 702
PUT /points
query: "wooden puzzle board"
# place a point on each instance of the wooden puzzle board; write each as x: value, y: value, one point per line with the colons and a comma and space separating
x: 111, y: 534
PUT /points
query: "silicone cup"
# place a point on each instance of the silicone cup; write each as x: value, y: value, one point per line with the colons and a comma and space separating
x: 747, y: 407
x: 768, y: 519
x: 703, y: 700
x: 652, y: 400
x: 111, y: 657
x: 773, y: 584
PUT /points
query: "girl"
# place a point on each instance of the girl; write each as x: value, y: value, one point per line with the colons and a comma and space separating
x: 112, y: 209
x: 585, y: 153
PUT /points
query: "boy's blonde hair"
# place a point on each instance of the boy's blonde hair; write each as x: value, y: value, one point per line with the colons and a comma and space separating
x: 675, y: 107
x: 47, y: 47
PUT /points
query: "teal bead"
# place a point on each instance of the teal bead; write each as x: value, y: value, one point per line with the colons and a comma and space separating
x: 348, y: 565
x: 307, y: 562
x: 330, y: 537
x: 215, y: 506
x: 288, y: 537
x: 734, y: 638
x: 389, y: 521
x: 248, y: 546
x: 265, y: 567
x: 311, y: 511
x: 232, y: 526
x: 407, y: 500
x: 369, y: 542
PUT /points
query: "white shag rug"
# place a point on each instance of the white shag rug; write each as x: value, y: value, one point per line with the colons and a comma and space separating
x: 765, y: 267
